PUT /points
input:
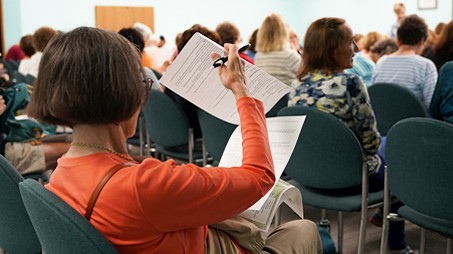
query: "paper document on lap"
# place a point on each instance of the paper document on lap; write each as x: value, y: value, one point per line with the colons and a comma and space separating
x: 192, y: 76
x: 283, y: 132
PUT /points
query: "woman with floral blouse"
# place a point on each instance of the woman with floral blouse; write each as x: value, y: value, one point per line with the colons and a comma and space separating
x: 328, y: 50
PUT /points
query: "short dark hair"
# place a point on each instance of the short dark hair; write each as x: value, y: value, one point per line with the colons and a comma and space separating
x: 26, y: 44
x: 42, y: 36
x: 186, y: 35
x: 134, y: 36
x: 88, y: 76
x: 322, y: 38
x: 412, y: 30
x: 228, y: 32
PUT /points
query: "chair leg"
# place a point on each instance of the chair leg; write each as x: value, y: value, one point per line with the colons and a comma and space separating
x: 191, y: 145
x: 204, y: 153
x: 385, y: 221
x: 141, y: 123
x: 340, y: 232
x: 422, y: 240
x: 448, y: 246
x: 363, y: 212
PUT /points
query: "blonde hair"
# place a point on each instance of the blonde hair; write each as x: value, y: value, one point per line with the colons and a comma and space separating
x: 273, y: 35
x: 399, y: 7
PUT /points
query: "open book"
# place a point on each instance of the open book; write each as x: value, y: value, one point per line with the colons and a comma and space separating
x: 192, y: 76
x: 283, y: 192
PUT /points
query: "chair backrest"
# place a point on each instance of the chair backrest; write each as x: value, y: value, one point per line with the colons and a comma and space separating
x: 216, y: 133
x: 30, y: 79
x: 166, y: 123
x: 60, y: 228
x: 20, y: 78
x: 283, y: 102
x: 17, y: 234
x: 391, y: 103
x: 419, y: 154
x: 327, y: 154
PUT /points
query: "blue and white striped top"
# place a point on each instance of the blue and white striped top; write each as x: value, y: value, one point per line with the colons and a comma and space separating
x: 414, y: 72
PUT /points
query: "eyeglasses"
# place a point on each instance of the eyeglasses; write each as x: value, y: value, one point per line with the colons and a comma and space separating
x: 148, y: 82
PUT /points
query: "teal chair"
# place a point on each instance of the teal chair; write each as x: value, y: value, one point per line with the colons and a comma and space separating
x: 216, y: 134
x: 59, y: 227
x: 167, y: 127
x: 30, y: 79
x: 327, y: 165
x: 420, y: 174
x: 283, y: 102
x: 17, y: 234
x: 19, y: 77
x: 391, y: 103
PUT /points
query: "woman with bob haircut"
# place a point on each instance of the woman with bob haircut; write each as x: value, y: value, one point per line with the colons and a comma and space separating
x: 151, y: 206
x: 328, y: 51
x: 274, y: 54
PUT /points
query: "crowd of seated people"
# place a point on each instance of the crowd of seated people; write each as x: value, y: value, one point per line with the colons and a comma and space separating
x: 331, y: 72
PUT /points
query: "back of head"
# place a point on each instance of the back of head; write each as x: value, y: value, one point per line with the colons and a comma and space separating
x: 26, y: 44
x: 412, y: 30
x: 273, y: 35
x: 384, y: 47
x: 41, y: 37
x: 186, y: 35
x: 228, y: 32
x: 322, y: 38
x: 134, y: 36
x: 370, y: 39
x: 88, y: 76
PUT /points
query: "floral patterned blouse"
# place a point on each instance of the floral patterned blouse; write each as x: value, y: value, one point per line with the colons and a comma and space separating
x: 344, y: 96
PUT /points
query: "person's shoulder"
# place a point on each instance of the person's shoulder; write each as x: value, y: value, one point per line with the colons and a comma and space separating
x: 446, y: 68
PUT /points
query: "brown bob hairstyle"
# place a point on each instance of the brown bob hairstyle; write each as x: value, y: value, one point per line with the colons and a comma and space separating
x: 88, y: 76
x: 322, y: 38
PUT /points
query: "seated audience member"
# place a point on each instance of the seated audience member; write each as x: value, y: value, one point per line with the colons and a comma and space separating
x: 441, y: 107
x: 26, y: 44
x: 383, y: 47
x: 40, y: 39
x: 188, y: 107
x: 229, y: 33
x: 32, y: 155
x: 322, y: 84
x: 14, y: 53
x: 294, y: 41
x: 136, y: 38
x: 161, y: 54
x: 148, y: 36
x: 442, y: 50
x: 363, y: 65
x: 251, y: 51
x: 152, y: 206
x: 274, y: 54
x: 406, y: 67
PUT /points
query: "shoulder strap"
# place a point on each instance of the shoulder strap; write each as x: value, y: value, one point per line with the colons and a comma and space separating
x: 100, y: 186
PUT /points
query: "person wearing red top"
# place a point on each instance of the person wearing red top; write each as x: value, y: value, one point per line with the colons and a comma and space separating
x: 151, y: 206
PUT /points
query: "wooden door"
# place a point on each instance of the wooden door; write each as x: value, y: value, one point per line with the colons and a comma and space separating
x: 117, y: 17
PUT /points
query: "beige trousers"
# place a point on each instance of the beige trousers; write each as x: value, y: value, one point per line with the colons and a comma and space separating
x: 298, y: 237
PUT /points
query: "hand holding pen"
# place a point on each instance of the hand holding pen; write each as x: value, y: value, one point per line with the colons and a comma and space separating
x: 233, y: 74
x: 222, y: 60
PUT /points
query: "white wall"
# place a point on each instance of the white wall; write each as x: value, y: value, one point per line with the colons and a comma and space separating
x: 171, y: 16
x: 369, y: 15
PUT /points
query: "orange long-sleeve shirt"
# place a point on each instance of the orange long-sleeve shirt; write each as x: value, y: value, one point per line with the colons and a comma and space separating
x: 159, y: 207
